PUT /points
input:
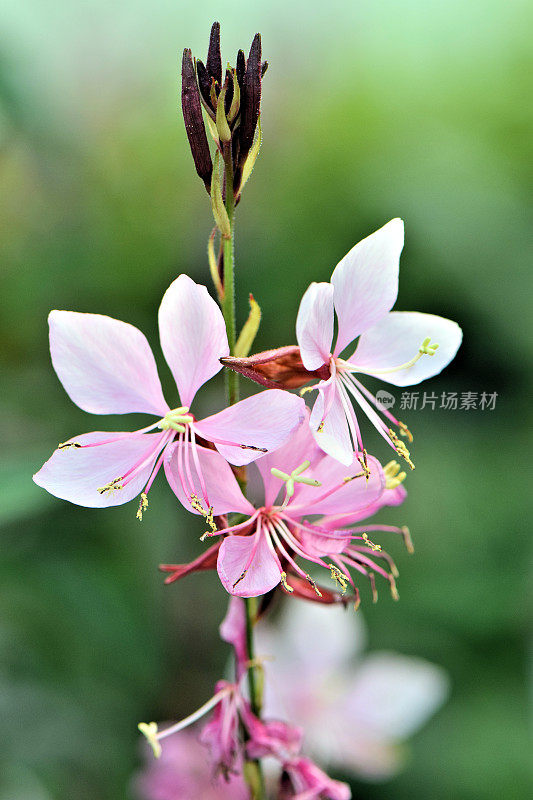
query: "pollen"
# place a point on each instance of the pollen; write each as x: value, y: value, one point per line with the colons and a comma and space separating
x: 339, y: 577
x: 283, y: 579
x: 112, y: 486
x: 401, y: 449
x: 364, y: 463
x: 321, y: 426
x: 375, y: 547
x: 313, y: 584
x: 143, y: 505
x: 404, y: 431
x: 207, y: 515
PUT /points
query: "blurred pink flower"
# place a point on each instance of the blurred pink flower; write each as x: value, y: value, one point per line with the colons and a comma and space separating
x: 397, y: 347
x: 107, y: 367
x: 356, y: 710
x: 260, y: 552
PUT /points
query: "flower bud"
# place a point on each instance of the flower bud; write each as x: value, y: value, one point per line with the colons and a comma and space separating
x: 194, y: 123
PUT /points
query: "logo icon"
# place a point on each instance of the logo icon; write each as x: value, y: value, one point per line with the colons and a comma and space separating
x: 385, y: 399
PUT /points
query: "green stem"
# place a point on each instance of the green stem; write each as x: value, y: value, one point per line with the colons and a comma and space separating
x: 253, y: 772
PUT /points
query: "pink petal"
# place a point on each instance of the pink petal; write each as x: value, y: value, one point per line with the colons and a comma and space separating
x: 263, y: 573
x: 311, y: 783
x: 348, y: 497
x: 223, y: 490
x: 106, y: 366
x: 265, y: 420
x: 390, y: 497
x: 334, y: 437
x: 366, y: 282
x: 299, y: 448
x: 76, y: 474
x: 396, y: 339
x: 193, y: 335
x: 233, y: 630
x: 314, y: 325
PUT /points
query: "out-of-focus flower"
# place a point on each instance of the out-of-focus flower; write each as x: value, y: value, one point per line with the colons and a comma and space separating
x: 402, y: 348
x: 260, y: 552
x: 356, y: 710
x: 184, y: 773
x: 107, y: 367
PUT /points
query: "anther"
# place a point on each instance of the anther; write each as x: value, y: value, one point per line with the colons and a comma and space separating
x: 393, y: 476
x: 253, y: 447
x: 375, y: 547
x: 313, y: 584
x: 321, y: 426
x: 427, y: 349
x: 364, y: 463
x: 240, y: 578
x: 67, y: 445
x: 393, y: 589
x: 307, y: 389
x: 404, y: 431
x: 401, y: 449
x: 283, y: 579
x: 207, y: 515
x: 112, y: 486
x: 143, y: 505
x: 339, y: 577
x: 407, y: 539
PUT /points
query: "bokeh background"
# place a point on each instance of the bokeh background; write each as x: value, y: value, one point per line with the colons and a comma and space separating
x: 371, y: 110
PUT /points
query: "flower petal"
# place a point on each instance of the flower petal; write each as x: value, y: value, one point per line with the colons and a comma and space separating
x: 366, y: 282
x: 106, y: 366
x: 396, y: 339
x: 348, y: 496
x: 299, y: 448
x: 233, y: 631
x: 76, y: 474
x: 263, y: 573
x: 222, y: 488
x: 393, y: 695
x: 390, y: 497
x: 314, y: 325
x: 334, y: 435
x: 193, y: 335
x: 265, y: 420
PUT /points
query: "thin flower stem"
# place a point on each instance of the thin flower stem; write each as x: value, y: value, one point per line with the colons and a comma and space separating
x: 253, y: 772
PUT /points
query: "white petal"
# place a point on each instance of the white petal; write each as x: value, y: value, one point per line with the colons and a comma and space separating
x: 314, y: 325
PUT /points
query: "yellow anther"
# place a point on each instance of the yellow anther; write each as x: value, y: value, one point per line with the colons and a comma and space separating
x: 149, y: 729
x: 177, y: 419
x: 321, y: 426
x: 404, y: 431
x: 112, y: 486
x: 364, y: 463
x: 393, y: 476
x: 313, y: 584
x: 339, y: 577
x: 207, y: 515
x: 401, y: 449
x: 307, y: 389
x: 67, y: 445
x: 376, y: 547
x: 143, y: 505
x: 240, y: 578
x: 283, y: 580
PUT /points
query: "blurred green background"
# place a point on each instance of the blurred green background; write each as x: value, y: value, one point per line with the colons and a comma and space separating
x: 370, y: 111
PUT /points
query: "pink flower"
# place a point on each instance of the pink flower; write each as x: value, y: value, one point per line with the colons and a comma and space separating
x: 309, y: 782
x: 107, y: 367
x: 183, y: 772
x: 357, y: 710
x: 401, y: 348
x: 260, y: 552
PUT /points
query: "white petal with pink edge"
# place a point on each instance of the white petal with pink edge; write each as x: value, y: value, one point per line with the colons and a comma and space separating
x: 193, y: 335
x: 314, y: 325
x: 106, y: 366
x: 262, y: 571
x: 366, y: 282
x: 223, y: 491
x: 263, y: 422
x: 75, y: 474
x: 396, y: 340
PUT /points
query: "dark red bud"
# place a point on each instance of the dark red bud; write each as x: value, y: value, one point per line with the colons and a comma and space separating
x: 250, y: 98
x: 264, y: 67
x: 194, y: 122
x: 229, y: 91
x: 281, y: 368
x: 241, y: 66
x: 204, y: 82
x: 214, y: 58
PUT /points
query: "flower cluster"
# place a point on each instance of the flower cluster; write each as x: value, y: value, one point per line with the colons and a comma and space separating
x: 317, y: 485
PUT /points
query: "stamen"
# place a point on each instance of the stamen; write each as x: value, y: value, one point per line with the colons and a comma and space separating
x: 149, y: 729
x: 404, y: 431
x: 393, y: 476
x: 364, y: 463
x: 177, y: 420
x: 407, y: 539
x: 307, y: 389
x: 112, y: 486
x: 143, y: 505
x: 401, y: 449
x: 67, y: 445
x: 253, y: 447
x: 366, y: 540
x: 207, y: 515
x: 425, y: 349
x: 339, y: 577
x: 294, y: 477
x: 313, y: 584
x: 393, y: 589
x: 321, y: 426
x: 284, y: 583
